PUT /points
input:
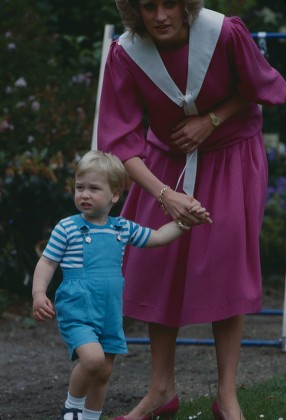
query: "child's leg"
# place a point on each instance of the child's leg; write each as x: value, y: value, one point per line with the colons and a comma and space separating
x: 91, y: 361
x: 98, y: 388
x: 97, y: 391
x: 90, y: 379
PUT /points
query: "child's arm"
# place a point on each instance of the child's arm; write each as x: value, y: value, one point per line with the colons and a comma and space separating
x: 171, y: 231
x: 42, y: 306
x: 165, y: 234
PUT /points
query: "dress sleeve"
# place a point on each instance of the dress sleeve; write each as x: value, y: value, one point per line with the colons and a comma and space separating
x: 120, y: 127
x: 257, y: 80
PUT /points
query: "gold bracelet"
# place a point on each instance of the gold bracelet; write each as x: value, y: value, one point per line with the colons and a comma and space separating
x: 161, y: 198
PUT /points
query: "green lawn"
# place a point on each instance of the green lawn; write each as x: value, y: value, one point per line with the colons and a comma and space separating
x: 263, y: 401
x: 266, y: 400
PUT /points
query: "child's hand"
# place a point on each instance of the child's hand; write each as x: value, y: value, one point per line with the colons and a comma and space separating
x: 200, y: 212
x: 42, y: 307
x: 185, y: 209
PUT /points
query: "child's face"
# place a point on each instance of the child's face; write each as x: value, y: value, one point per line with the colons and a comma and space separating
x: 93, y: 196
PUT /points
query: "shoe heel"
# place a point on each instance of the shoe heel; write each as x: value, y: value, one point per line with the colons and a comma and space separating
x: 170, y: 415
x: 167, y: 411
x: 216, y: 411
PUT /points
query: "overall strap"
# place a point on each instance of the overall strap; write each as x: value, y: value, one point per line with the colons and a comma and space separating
x: 78, y: 221
x: 83, y: 228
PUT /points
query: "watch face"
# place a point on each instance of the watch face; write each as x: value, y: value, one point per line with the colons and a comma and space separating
x: 215, y: 119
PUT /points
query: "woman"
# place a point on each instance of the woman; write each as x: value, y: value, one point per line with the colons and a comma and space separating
x: 199, y: 76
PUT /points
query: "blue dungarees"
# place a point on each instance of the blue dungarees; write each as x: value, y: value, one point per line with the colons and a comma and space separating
x: 89, y: 300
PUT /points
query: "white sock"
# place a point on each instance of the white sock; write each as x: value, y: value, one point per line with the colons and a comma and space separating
x: 72, y: 402
x: 90, y: 415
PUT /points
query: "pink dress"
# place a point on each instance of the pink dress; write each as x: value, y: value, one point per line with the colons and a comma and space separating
x: 212, y: 272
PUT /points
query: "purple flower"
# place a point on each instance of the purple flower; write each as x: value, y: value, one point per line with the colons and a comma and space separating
x: 272, y: 154
x: 82, y: 78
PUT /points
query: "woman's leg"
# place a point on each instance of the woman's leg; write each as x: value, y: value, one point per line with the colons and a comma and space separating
x: 227, y: 334
x: 162, y: 386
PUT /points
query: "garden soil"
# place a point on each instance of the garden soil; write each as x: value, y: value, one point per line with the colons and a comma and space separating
x: 34, y: 366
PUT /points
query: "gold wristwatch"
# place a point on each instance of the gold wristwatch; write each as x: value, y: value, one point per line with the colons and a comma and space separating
x: 214, y: 119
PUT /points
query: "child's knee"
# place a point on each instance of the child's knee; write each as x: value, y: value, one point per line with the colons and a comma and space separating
x: 93, y: 364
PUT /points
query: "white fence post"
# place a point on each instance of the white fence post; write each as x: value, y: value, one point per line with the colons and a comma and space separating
x: 107, y: 39
x: 283, y: 338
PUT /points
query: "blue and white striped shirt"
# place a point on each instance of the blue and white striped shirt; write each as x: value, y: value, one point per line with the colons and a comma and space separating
x: 66, y: 242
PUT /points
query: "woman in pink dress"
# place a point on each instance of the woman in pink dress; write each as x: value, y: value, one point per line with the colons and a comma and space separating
x: 198, y: 76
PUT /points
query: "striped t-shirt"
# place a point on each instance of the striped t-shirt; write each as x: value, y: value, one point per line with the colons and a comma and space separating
x: 66, y: 242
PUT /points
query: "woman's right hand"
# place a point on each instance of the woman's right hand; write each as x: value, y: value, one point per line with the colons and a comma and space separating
x: 191, y: 132
x: 185, y: 209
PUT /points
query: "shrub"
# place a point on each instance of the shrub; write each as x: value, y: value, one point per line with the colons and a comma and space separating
x: 273, y: 234
x: 48, y: 89
x: 47, y: 96
x: 35, y: 192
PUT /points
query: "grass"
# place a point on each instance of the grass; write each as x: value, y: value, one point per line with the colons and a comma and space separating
x: 262, y: 401
x: 265, y: 400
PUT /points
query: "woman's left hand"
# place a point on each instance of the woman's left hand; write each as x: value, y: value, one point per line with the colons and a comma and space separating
x: 191, y: 132
x: 185, y: 209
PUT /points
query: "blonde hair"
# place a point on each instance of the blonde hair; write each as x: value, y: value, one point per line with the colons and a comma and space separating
x: 107, y: 164
x: 131, y: 19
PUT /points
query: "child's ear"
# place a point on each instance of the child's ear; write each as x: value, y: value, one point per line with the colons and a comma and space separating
x: 115, y: 196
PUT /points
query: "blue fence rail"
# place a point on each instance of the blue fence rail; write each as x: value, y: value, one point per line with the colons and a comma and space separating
x: 262, y: 39
x: 279, y: 342
x: 268, y: 35
x: 210, y: 342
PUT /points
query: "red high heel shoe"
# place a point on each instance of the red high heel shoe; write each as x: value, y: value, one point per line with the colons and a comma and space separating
x: 166, y: 411
x: 216, y: 411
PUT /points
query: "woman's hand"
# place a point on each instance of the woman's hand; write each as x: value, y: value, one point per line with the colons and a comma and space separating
x: 181, y: 207
x: 42, y: 307
x: 191, y: 132
x: 185, y: 209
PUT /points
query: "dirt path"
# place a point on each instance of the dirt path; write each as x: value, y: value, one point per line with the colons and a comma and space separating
x: 34, y: 367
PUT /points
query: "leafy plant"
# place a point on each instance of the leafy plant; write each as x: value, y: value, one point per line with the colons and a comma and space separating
x: 35, y: 191
x: 273, y: 234
x: 3, y: 301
